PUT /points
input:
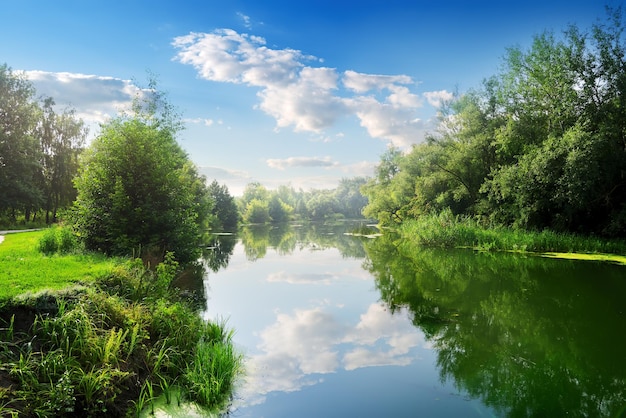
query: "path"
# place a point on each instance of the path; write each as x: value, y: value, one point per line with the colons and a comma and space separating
x: 3, y: 233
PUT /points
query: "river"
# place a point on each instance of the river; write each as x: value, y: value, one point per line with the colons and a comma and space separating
x: 337, y: 325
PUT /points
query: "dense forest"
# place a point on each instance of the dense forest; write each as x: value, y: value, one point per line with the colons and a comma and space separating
x: 540, y: 145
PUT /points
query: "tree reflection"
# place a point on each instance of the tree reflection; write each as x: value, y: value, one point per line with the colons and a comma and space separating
x: 285, y: 238
x: 219, y: 248
x: 528, y: 336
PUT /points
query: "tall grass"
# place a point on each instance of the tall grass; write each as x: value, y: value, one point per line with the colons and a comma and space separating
x: 447, y: 230
x: 211, y: 374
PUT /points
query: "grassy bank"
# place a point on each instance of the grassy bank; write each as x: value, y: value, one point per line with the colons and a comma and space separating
x: 109, y: 346
x: 24, y: 269
x: 446, y: 230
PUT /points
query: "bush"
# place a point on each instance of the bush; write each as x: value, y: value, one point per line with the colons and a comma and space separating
x: 57, y: 239
x: 48, y: 243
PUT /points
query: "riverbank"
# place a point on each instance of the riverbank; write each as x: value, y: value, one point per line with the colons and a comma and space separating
x: 104, y: 345
x: 445, y: 230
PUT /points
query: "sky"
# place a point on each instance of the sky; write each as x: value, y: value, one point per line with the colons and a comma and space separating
x: 298, y: 93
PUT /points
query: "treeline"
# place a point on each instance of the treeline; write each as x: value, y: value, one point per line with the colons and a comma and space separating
x: 259, y: 205
x: 541, y: 145
x: 39, y: 151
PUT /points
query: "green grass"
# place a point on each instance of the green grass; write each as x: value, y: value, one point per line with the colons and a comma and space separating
x: 447, y: 231
x: 107, y: 348
x: 24, y: 269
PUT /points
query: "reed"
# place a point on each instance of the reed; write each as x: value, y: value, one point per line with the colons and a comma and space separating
x: 446, y: 230
x: 211, y: 375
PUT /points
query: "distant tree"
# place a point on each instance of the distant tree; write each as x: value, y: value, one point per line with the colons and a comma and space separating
x: 224, y: 207
x: 350, y: 201
x: 20, y: 153
x: 62, y: 138
x: 278, y: 210
x: 137, y: 189
x: 257, y: 212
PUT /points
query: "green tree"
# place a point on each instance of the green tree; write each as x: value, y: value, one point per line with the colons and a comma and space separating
x: 20, y: 153
x: 137, y: 189
x: 224, y: 207
x: 278, y: 210
x: 62, y: 138
x: 350, y: 201
x: 257, y: 212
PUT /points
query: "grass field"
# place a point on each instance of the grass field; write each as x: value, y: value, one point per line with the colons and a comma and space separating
x: 24, y: 269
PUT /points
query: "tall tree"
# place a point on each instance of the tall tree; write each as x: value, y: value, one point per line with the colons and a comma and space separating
x: 19, y: 147
x: 62, y: 138
x: 224, y: 207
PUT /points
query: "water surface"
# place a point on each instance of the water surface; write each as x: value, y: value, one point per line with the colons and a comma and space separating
x: 339, y: 325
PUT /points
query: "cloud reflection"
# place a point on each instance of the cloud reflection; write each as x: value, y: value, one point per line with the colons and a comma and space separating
x: 298, y: 348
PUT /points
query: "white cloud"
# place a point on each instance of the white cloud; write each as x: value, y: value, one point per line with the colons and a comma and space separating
x: 201, y: 121
x: 398, y: 125
x: 281, y: 164
x: 362, y: 83
x: 95, y: 98
x: 360, y: 169
x: 438, y: 98
x: 245, y: 19
x: 305, y: 97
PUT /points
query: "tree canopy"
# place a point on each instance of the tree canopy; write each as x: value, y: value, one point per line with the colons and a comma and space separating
x: 39, y: 150
x: 540, y: 145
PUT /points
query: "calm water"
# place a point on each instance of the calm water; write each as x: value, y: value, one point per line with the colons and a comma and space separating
x: 335, y: 325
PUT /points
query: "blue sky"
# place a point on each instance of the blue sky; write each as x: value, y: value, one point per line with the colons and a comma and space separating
x: 281, y: 92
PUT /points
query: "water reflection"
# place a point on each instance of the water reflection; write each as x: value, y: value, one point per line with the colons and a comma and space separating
x: 286, y: 238
x: 459, y: 333
x: 309, y: 319
x: 528, y: 336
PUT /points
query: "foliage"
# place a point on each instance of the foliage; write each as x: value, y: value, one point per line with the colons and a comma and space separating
x: 39, y: 149
x: 224, y: 207
x: 285, y: 203
x: 61, y: 239
x: 138, y: 191
x: 540, y: 145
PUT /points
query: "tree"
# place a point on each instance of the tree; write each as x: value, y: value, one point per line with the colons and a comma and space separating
x: 62, y: 137
x: 350, y: 201
x: 257, y: 212
x: 278, y: 210
x: 19, y: 148
x: 224, y: 207
x: 540, y: 145
x: 137, y: 189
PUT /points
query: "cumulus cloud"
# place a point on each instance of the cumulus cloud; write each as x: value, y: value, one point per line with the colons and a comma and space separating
x: 305, y: 97
x: 95, y: 98
x: 281, y: 164
x: 438, y: 98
